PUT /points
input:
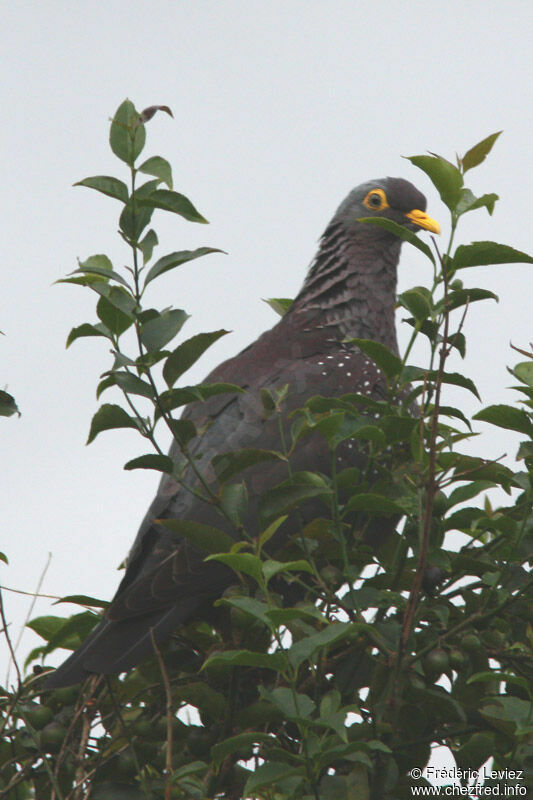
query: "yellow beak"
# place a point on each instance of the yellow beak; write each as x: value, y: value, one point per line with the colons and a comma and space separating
x: 423, y: 220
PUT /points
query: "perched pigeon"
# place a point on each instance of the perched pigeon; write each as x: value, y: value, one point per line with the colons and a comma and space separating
x: 349, y: 291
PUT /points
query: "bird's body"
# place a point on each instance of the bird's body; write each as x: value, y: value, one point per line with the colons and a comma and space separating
x: 350, y: 291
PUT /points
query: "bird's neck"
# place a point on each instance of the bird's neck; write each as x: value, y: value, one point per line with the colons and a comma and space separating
x: 352, y: 284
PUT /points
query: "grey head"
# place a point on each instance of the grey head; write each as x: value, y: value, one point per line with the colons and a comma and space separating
x: 352, y: 279
x: 393, y: 198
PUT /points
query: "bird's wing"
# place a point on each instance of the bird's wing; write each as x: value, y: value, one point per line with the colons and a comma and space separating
x: 164, y: 568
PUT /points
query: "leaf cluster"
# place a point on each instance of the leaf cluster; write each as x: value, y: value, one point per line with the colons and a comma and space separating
x: 398, y: 619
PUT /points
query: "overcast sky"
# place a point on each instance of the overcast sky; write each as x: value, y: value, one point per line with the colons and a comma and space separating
x: 280, y: 109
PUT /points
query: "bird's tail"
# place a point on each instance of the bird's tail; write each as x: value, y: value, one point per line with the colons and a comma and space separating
x: 116, y: 646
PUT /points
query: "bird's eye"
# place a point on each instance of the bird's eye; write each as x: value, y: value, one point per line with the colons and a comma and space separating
x: 376, y: 200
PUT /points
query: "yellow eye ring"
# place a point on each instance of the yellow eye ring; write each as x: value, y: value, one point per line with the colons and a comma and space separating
x: 376, y: 200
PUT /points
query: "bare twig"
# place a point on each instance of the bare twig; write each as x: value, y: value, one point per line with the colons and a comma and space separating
x: 80, y: 776
x: 170, y: 716
x: 30, y: 594
x: 35, y: 595
x: 5, y: 630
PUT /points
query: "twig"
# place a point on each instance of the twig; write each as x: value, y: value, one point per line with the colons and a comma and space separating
x: 170, y: 716
x: 431, y: 484
x: 9, y: 643
x: 486, y: 463
x: 79, y: 775
x: 30, y: 594
x: 35, y: 595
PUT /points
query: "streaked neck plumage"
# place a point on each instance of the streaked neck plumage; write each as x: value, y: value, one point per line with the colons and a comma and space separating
x: 352, y: 284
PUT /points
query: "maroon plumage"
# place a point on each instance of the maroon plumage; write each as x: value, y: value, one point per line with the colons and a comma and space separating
x: 349, y: 291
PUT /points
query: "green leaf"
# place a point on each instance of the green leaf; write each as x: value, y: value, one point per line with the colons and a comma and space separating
x: 121, y: 360
x: 152, y: 461
x: 469, y: 468
x: 112, y: 317
x: 159, y: 167
x: 118, y: 297
x: 175, y: 202
x: 384, y: 358
x: 73, y: 631
x: 235, y: 743
x: 451, y: 411
x: 463, y: 297
x: 509, y: 714
x: 484, y: 253
x: 127, y: 134
x: 270, y: 774
x: 112, y: 187
x: 160, y: 330
x: 293, y: 705
x: 105, y: 274
x: 280, y: 304
x: 446, y: 178
x: 83, y: 600
x: 478, y: 153
x: 524, y: 372
x: 330, y: 703
x: 134, y: 218
x: 47, y: 626
x: 104, y: 384
x: 463, y: 519
x: 247, y: 658
x: 250, y: 605
x: 131, y: 384
x: 417, y: 302
x: 374, y: 504
x: 240, y: 562
x: 398, y: 429
x: 513, y: 419
x: 469, y: 202
x: 367, y: 433
x: 329, y: 426
x: 302, y: 486
x: 412, y: 374
x: 187, y: 353
x: 335, y: 632
x: 402, y: 233
x: 205, y: 537
x: 88, y: 330
x: 174, y: 398
x: 226, y: 465
x: 234, y: 501
x: 183, y: 430
x: 271, y: 568
x: 467, y: 492
x: 281, y: 616
x: 8, y: 406
x: 108, y: 417
x: 269, y: 532
x: 147, y: 244
x: 99, y: 262
x: 172, y: 260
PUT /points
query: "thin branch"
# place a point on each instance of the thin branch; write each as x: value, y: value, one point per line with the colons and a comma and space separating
x: 170, y: 716
x: 5, y: 588
x: 431, y: 483
x: 35, y: 595
x: 5, y: 631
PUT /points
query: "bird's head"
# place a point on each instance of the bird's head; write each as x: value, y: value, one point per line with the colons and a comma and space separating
x: 393, y: 198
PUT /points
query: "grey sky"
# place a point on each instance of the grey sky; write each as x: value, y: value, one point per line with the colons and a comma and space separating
x: 280, y: 109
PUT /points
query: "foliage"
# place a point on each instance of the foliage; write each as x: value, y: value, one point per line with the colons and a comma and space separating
x: 8, y: 405
x: 330, y: 669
